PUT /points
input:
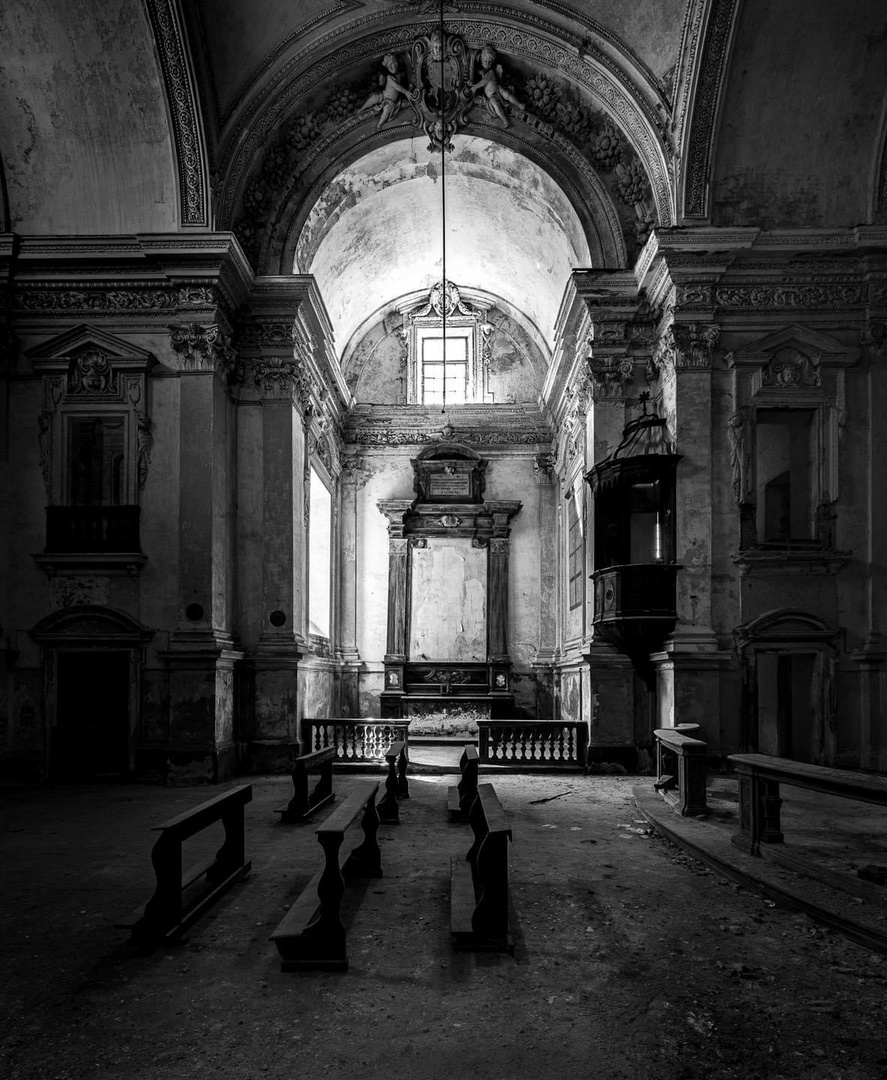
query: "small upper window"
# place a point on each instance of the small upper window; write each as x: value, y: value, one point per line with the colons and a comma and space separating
x: 445, y: 377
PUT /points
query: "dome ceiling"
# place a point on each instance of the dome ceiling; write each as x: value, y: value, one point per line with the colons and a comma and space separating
x: 375, y: 234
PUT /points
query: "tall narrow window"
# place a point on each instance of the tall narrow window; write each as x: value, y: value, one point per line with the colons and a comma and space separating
x: 319, y: 556
x: 575, y: 561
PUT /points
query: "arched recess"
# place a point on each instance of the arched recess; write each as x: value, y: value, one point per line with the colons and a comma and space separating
x: 788, y: 661
x: 516, y: 357
x: 92, y: 663
x: 579, y: 114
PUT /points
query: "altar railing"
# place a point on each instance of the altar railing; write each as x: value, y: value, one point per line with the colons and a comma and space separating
x: 355, y: 738
x: 534, y: 743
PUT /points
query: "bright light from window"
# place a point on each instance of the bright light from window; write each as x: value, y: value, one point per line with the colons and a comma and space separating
x: 319, y: 557
x: 432, y: 370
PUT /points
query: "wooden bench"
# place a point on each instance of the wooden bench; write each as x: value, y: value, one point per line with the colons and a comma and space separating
x: 311, y: 934
x: 396, y: 783
x: 461, y: 796
x: 759, y: 801
x: 302, y: 805
x: 479, y: 881
x: 681, y: 767
x: 168, y: 913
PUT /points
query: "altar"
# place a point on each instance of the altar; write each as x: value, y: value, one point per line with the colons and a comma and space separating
x: 447, y: 663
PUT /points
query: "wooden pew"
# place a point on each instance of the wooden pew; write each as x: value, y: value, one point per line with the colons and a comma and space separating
x: 168, y: 913
x: 479, y: 881
x: 396, y: 783
x: 302, y: 805
x: 461, y: 796
x: 311, y: 934
x: 759, y: 801
x: 681, y: 767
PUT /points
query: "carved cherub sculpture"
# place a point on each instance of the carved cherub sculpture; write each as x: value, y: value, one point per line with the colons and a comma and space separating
x: 392, y: 90
x: 491, y: 83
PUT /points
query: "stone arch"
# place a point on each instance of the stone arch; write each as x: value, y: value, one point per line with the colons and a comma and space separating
x: 625, y: 99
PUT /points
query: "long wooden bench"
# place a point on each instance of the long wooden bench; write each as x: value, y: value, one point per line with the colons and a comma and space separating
x: 302, y: 805
x: 759, y: 801
x: 311, y: 934
x: 168, y: 912
x: 396, y: 783
x: 681, y: 768
x: 479, y: 880
x: 462, y: 795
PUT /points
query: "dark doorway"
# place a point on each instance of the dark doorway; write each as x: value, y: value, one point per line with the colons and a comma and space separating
x: 787, y: 714
x: 91, y: 737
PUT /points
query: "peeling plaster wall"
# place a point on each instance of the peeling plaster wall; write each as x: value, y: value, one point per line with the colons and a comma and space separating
x: 802, y: 105
x: 376, y: 232
x: 85, y: 139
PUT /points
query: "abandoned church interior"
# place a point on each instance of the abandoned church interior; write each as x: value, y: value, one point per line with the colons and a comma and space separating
x: 405, y: 388
x: 363, y: 360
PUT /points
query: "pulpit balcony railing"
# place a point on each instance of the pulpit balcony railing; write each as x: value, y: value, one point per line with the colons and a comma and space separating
x: 92, y: 529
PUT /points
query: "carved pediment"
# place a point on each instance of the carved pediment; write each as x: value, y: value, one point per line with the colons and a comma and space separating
x: 810, y: 346
x: 56, y: 353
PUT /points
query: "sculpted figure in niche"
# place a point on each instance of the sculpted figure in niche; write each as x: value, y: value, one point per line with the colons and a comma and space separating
x: 736, y: 429
x: 490, y: 81
x: 389, y: 97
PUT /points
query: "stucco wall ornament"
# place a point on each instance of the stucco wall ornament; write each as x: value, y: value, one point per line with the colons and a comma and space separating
x: 874, y: 338
x: 543, y: 469
x: 91, y: 374
x: 740, y: 464
x: 144, y: 442
x: 389, y: 98
x: 791, y: 368
x: 438, y: 296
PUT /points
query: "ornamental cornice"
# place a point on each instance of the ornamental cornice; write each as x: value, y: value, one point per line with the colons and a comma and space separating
x: 613, y: 89
x: 381, y: 426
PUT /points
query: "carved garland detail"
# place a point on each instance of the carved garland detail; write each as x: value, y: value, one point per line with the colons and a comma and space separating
x: 183, y: 107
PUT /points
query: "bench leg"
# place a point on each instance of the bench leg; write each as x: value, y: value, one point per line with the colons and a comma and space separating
x: 467, y: 787
x: 323, y: 789
x: 759, y: 805
x: 298, y: 804
x: 490, y: 917
x: 691, y: 784
x: 164, y: 910
x: 231, y: 855
x: 388, y: 809
x: 325, y: 934
x: 403, y: 785
x: 365, y: 861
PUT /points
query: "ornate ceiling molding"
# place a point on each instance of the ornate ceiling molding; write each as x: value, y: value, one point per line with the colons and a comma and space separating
x: 610, y: 86
x: 193, y: 171
x: 703, y: 76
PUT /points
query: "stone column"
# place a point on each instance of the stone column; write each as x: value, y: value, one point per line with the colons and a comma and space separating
x: 278, y: 650
x: 201, y: 655
x: 398, y: 594
x: 689, y: 666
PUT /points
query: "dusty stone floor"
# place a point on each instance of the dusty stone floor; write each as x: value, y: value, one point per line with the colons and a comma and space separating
x: 632, y: 960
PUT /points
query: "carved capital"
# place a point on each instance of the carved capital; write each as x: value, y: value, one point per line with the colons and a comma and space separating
x: 873, y: 338
x: 543, y: 469
x: 275, y: 376
x: 203, y: 348
x: 611, y: 377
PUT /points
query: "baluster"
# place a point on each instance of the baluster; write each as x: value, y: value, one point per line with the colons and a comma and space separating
x: 570, y: 743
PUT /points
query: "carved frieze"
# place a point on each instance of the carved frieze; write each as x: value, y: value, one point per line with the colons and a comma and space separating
x: 104, y: 301
x: 813, y: 295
